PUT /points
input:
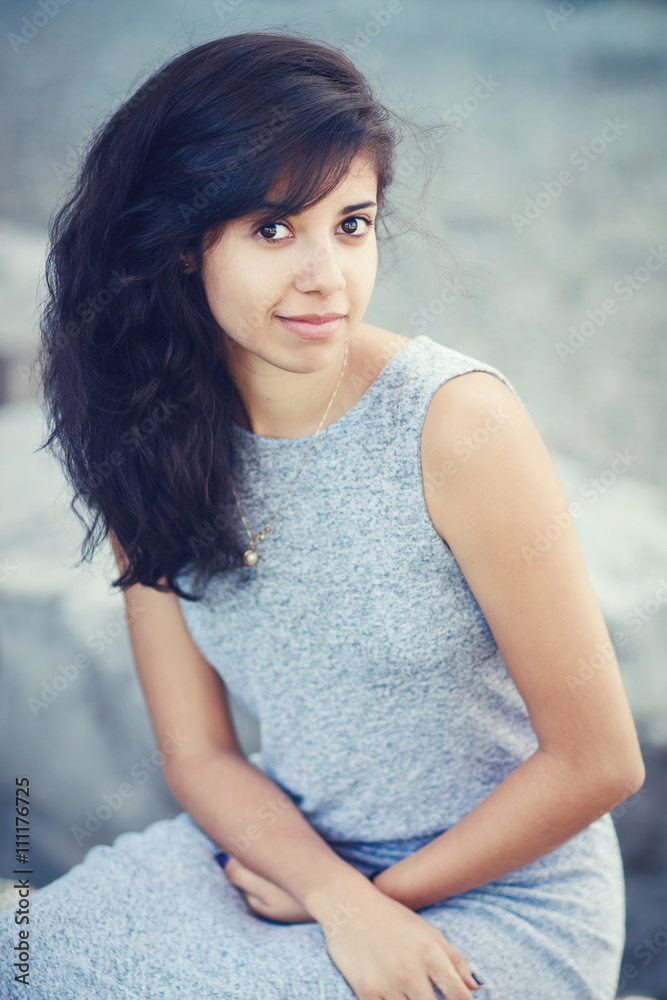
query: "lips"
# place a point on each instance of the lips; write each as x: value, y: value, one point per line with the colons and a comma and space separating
x: 313, y: 326
x: 314, y: 318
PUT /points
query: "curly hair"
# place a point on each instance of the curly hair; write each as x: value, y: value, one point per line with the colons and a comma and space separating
x: 139, y: 400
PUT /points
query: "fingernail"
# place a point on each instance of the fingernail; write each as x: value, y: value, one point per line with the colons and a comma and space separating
x: 477, y: 979
x: 221, y: 858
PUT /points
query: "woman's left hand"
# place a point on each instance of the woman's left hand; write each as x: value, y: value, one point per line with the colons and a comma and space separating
x: 264, y: 898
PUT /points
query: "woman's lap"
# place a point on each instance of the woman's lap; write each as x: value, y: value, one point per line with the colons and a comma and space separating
x: 518, y: 951
x: 155, y: 916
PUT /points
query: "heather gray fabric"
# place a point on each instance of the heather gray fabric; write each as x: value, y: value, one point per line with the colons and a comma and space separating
x: 387, y: 713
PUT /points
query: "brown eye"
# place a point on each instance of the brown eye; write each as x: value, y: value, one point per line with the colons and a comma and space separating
x: 268, y: 231
x: 351, y: 226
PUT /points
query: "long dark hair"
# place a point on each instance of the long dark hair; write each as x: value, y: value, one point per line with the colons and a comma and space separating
x: 138, y: 396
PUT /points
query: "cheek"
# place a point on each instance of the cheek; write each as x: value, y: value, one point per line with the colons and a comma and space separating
x: 363, y: 276
x: 224, y: 287
x: 256, y: 293
x: 366, y: 265
x: 242, y: 298
x: 215, y: 287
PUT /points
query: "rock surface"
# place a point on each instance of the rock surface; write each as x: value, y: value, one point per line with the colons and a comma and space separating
x: 530, y: 89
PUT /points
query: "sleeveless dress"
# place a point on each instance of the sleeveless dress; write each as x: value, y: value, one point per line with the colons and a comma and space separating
x: 387, y: 714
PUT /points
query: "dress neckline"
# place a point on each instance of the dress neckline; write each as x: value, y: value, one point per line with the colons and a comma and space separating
x: 342, y: 421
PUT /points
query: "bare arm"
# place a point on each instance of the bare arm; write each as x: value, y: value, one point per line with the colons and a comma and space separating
x: 490, y: 505
x: 241, y: 809
x: 252, y: 819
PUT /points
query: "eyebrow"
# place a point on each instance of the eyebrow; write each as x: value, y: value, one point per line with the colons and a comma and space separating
x: 254, y: 217
x: 356, y: 208
x: 343, y: 211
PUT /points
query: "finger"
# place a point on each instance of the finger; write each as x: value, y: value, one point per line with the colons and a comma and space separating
x: 465, y: 972
x: 254, y: 902
x: 462, y: 966
x: 472, y: 982
x: 452, y: 985
x: 260, y: 908
x: 244, y: 878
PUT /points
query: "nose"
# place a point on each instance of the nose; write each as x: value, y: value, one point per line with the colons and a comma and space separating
x: 317, y: 270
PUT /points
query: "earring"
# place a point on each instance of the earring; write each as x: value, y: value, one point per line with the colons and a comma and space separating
x: 188, y: 265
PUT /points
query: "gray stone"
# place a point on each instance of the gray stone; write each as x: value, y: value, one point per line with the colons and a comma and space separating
x: 520, y: 295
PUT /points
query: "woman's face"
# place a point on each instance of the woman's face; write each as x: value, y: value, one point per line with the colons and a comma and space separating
x: 320, y: 261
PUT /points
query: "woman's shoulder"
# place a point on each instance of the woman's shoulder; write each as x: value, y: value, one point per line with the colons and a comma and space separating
x: 466, y: 392
x: 430, y: 367
x: 373, y: 348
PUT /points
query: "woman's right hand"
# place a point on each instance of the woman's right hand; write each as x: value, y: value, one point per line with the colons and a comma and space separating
x: 386, y: 951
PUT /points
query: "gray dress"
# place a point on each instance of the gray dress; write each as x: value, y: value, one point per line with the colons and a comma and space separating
x: 387, y: 714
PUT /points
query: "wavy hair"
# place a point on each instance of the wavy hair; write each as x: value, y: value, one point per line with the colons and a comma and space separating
x: 139, y: 400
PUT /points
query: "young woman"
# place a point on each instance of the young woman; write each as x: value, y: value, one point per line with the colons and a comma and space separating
x: 363, y: 537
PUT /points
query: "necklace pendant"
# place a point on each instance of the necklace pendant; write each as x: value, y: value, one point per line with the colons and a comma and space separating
x: 250, y: 557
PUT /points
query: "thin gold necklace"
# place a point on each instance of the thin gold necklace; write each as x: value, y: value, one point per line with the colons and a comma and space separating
x: 250, y: 556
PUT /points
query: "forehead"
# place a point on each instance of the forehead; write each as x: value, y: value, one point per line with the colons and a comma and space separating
x: 356, y: 188
x: 361, y: 171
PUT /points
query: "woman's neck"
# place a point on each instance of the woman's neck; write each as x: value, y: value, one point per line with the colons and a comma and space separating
x: 283, y: 404
x: 286, y: 404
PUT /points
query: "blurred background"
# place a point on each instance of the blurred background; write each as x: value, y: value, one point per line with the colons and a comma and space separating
x: 548, y: 191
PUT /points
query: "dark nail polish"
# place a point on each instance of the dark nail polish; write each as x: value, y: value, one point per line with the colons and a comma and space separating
x: 477, y: 979
x: 221, y: 858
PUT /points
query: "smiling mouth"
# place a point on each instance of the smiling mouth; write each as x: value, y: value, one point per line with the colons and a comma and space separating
x: 314, y: 318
